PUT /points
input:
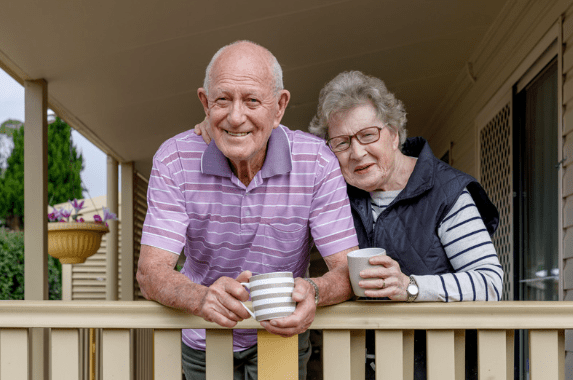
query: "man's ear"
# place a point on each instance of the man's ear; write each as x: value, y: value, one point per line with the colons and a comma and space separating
x: 283, y: 99
x: 202, y: 93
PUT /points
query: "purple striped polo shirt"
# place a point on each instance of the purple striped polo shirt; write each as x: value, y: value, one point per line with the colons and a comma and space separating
x: 196, y: 203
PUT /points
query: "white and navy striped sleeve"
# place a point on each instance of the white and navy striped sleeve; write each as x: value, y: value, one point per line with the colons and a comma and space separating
x: 478, y: 274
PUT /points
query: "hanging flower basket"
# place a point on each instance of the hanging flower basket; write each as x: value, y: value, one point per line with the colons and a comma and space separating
x: 74, y: 242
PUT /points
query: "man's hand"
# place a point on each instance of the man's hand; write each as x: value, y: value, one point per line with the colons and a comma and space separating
x: 220, y: 301
x: 334, y: 287
x: 299, y: 321
x: 202, y: 129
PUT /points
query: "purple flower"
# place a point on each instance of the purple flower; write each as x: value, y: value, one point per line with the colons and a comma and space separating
x: 97, y: 218
x: 108, y: 215
x: 65, y: 214
x: 81, y: 220
x: 76, y: 205
x: 52, y: 217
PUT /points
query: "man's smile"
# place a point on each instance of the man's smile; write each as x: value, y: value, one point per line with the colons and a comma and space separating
x: 237, y: 134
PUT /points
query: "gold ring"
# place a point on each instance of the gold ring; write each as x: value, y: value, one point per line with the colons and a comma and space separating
x: 383, y: 284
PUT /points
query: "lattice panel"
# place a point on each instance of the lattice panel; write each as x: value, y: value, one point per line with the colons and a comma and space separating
x: 496, y: 178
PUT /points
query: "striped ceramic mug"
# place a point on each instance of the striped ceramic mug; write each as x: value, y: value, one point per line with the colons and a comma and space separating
x: 271, y: 294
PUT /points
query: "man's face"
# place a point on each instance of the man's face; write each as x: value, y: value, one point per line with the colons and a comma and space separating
x: 242, y: 106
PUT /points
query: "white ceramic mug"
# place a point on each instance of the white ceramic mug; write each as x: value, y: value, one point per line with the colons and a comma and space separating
x: 358, y: 261
x: 271, y: 294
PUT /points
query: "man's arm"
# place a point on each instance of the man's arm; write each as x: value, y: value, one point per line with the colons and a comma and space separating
x: 218, y: 303
x: 333, y: 287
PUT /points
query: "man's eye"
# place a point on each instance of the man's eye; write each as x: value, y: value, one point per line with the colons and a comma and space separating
x: 253, y: 100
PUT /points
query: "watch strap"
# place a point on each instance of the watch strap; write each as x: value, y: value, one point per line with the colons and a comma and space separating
x: 412, y: 297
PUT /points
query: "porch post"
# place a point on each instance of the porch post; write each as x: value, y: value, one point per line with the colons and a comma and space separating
x: 127, y: 206
x: 111, y: 260
x: 35, y: 214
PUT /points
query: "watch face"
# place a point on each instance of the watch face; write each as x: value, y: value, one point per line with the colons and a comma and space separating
x: 412, y: 289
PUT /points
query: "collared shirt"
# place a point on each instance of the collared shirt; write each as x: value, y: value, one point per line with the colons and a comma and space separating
x: 196, y: 203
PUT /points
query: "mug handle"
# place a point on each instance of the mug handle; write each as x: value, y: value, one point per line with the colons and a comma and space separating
x: 247, y: 285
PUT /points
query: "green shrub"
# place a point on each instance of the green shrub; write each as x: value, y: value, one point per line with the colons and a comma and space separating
x: 12, y: 268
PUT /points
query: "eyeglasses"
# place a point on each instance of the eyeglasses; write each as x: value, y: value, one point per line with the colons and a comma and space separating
x: 364, y: 136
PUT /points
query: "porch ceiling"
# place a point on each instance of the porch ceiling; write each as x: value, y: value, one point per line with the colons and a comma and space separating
x: 125, y: 73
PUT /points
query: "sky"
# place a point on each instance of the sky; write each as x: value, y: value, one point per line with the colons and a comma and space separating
x: 95, y: 161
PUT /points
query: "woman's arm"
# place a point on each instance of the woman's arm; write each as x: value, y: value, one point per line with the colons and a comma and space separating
x: 478, y: 274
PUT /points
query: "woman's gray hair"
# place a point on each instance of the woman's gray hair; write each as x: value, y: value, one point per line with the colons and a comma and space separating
x: 350, y: 89
x: 276, y: 69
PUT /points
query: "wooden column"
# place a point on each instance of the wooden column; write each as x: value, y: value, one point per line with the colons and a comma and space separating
x: 127, y: 250
x: 35, y: 213
x: 111, y: 284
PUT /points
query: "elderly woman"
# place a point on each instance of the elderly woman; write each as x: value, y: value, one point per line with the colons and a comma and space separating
x: 434, y: 221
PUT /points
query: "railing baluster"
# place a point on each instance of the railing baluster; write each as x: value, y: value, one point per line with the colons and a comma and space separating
x: 277, y: 356
x: 357, y: 353
x: 219, y: 354
x: 14, y: 354
x: 394, y: 354
x: 492, y: 355
x: 460, y: 353
x: 547, y: 354
x: 167, y: 354
x: 65, y: 346
x: 336, y: 354
x: 441, y: 354
x: 116, y: 354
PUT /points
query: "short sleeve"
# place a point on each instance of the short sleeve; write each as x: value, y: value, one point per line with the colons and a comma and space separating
x: 166, y: 221
x: 331, y: 222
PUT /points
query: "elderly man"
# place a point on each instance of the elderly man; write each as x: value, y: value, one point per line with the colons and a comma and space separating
x: 251, y: 202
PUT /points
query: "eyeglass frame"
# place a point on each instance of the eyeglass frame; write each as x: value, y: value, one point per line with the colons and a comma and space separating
x: 356, y: 137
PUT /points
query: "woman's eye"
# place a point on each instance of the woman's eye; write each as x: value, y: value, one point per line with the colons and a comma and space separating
x: 341, y: 144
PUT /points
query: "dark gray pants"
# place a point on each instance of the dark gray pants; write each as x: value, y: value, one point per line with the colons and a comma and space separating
x: 244, y: 362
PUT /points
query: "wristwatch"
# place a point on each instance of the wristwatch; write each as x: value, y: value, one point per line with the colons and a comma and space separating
x: 315, y: 289
x: 412, y: 290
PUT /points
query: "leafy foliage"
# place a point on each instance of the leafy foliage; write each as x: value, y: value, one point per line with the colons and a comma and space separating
x: 12, y: 268
x: 64, y: 168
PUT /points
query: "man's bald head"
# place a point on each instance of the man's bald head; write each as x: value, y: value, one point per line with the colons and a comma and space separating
x: 246, y: 47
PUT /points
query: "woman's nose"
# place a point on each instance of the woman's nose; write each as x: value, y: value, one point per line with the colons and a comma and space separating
x: 356, y: 149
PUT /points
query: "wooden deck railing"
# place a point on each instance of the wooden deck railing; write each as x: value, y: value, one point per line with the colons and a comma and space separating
x: 343, y: 328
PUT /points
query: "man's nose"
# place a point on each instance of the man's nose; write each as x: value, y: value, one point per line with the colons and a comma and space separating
x: 237, y: 113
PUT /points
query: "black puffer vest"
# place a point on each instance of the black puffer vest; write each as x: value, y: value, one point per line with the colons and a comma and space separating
x: 408, y: 228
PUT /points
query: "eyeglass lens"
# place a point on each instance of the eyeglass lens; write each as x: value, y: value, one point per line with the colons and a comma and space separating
x: 364, y: 136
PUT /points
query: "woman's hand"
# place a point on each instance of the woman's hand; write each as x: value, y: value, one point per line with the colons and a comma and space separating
x: 385, y: 281
x: 202, y: 129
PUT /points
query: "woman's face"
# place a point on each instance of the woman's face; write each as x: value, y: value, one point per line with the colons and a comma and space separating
x: 367, y: 167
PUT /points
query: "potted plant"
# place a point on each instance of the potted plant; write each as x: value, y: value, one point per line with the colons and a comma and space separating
x: 73, y: 241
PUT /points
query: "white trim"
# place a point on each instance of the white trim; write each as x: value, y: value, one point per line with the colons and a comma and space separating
x: 561, y: 203
x: 542, y: 61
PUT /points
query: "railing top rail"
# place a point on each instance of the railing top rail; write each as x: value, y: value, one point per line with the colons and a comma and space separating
x: 348, y: 315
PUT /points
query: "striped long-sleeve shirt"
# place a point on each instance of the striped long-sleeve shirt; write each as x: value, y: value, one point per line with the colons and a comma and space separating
x: 478, y: 274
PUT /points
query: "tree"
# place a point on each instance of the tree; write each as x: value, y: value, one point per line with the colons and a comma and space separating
x: 64, y: 168
x: 12, y: 268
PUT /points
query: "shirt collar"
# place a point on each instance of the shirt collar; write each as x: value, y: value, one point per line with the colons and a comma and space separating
x: 278, y: 159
